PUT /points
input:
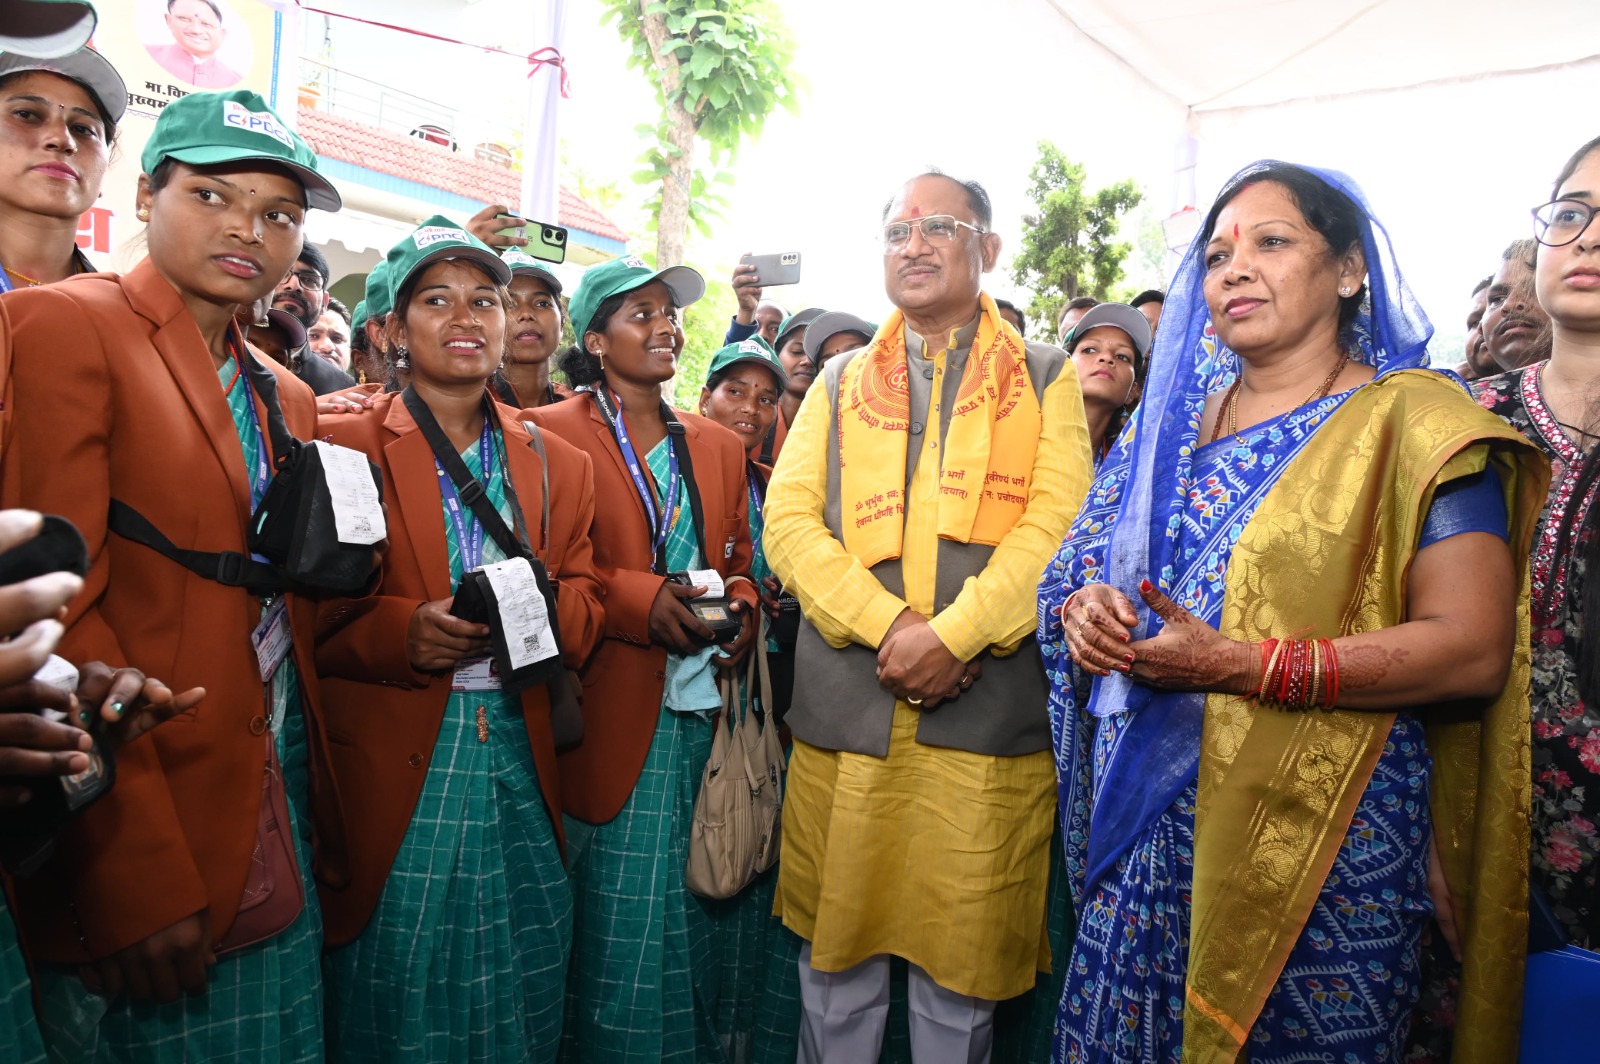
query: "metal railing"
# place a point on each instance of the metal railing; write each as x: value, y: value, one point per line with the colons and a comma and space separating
x: 324, y: 87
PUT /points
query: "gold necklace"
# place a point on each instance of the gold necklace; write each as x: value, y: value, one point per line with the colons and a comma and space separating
x: 1232, y: 401
x: 24, y: 277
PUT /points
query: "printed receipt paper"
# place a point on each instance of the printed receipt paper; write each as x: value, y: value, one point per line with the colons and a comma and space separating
x: 357, y: 510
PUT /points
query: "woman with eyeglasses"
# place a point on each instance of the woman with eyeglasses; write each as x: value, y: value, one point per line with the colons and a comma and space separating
x: 643, y: 982
x: 178, y: 920
x: 448, y: 938
x: 1553, y: 404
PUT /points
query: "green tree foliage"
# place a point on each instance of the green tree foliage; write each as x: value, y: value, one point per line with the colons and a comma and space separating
x: 719, y: 67
x: 1069, y: 246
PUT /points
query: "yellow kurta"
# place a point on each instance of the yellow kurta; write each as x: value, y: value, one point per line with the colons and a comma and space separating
x: 936, y: 855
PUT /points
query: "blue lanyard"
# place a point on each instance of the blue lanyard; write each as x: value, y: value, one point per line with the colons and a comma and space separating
x: 5, y: 281
x: 760, y: 523
x: 660, y: 526
x: 469, y: 531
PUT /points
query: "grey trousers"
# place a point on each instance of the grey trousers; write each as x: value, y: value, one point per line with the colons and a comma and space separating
x: 843, y: 1015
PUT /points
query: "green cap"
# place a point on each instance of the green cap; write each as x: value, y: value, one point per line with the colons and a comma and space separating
x: 435, y: 239
x: 624, y: 275
x: 798, y: 320
x: 377, y: 291
x: 209, y: 128
x: 753, y: 349
x: 85, y: 66
x: 45, y: 28
x: 522, y: 262
x: 358, y: 316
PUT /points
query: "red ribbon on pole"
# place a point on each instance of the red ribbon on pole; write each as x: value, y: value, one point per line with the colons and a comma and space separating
x: 542, y: 57
x: 539, y: 60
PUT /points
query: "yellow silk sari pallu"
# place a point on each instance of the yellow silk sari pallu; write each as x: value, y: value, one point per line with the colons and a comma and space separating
x: 989, y: 448
x: 1327, y: 554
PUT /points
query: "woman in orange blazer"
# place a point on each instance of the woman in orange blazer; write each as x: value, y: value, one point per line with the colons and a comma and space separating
x: 449, y: 939
x: 130, y: 389
x: 643, y: 964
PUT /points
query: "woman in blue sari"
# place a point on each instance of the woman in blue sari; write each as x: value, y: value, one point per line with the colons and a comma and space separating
x: 1291, y: 507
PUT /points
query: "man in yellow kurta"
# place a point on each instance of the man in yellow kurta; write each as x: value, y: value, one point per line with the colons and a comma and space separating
x: 925, y: 483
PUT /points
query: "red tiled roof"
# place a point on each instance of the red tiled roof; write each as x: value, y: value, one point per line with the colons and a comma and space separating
x: 387, y: 152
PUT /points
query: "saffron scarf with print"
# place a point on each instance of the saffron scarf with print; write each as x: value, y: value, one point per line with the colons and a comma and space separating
x: 988, y: 461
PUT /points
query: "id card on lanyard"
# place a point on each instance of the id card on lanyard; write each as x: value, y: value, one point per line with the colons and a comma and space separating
x: 660, y: 519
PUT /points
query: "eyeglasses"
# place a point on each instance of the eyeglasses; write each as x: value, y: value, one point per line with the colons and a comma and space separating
x: 1560, y: 223
x: 196, y: 20
x: 937, y: 229
x: 310, y: 280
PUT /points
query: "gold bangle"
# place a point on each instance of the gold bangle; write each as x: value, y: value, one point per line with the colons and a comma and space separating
x: 1272, y: 667
x: 1312, y: 699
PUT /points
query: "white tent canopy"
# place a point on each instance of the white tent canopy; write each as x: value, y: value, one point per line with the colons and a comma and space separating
x: 1215, y: 55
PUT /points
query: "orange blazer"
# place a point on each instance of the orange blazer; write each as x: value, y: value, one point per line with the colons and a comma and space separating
x: 122, y: 401
x: 622, y: 684
x: 383, y: 717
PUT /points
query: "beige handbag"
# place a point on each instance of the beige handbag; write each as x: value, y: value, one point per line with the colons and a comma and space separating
x: 736, y: 828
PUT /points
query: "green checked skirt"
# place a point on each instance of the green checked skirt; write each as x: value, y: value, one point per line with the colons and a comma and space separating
x: 19, y: 1031
x: 643, y: 986
x: 758, y: 1015
x: 262, y: 1005
x: 465, y: 957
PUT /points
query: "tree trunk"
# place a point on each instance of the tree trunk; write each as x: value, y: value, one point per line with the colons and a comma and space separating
x: 672, y: 224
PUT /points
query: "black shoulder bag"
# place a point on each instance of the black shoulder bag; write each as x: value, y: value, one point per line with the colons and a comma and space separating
x: 293, y: 528
x: 475, y: 599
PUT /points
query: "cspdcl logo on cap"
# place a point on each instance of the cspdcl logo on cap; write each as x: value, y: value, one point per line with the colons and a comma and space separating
x: 752, y: 347
x: 633, y: 262
x: 430, y: 235
x: 238, y: 116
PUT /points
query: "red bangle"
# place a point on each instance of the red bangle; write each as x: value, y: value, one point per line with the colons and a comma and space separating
x: 1333, y: 676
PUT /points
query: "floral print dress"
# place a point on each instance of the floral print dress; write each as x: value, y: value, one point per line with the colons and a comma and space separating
x: 1566, y: 732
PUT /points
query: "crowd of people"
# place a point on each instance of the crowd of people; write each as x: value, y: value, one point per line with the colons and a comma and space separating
x: 1204, y: 682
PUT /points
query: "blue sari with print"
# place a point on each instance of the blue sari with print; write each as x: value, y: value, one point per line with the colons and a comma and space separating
x: 1167, y: 508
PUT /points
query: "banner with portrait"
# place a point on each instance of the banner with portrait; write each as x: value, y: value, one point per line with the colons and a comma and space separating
x: 165, y: 49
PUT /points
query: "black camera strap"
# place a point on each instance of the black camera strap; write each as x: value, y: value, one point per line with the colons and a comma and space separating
x: 676, y: 430
x: 769, y: 441
x: 230, y: 568
x: 284, y: 445
x: 468, y: 487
